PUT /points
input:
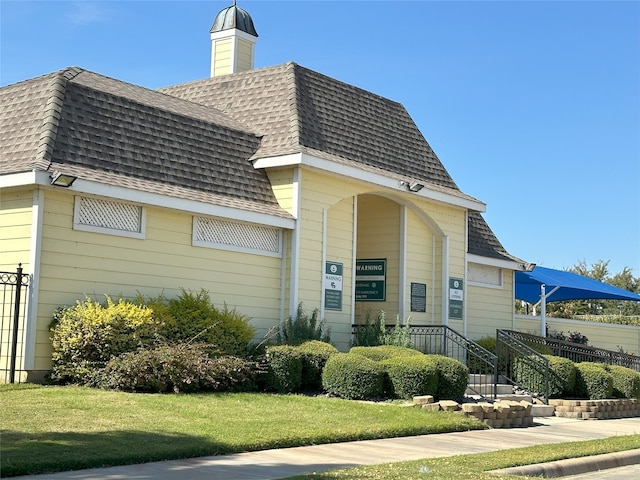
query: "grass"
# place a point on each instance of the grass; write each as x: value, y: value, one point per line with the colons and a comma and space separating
x: 48, y: 429
x: 476, y: 466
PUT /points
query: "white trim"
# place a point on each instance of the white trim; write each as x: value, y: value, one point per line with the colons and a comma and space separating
x: 496, y: 262
x: 283, y: 274
x: 354, y: 255
x: 366, y: 176
x: 434, y: 256
x: 25, y: 178
x: 402, y: 288
x: 106, y: 230
x: 35, y: 253
x: 295, y: 242
x: 476, y: 283
x: 324, y: 260
x: 445, y: 280
x: 466, y: 274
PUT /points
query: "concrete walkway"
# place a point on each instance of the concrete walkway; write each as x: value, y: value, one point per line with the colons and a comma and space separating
x: 279, y: 463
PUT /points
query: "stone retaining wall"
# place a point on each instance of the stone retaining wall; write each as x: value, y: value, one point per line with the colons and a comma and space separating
x: 597, y: 409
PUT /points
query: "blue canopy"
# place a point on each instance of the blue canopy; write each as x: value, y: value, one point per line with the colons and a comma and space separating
x: 560, y: 285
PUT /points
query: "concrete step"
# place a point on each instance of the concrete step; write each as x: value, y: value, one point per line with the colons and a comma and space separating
x: 487, y: 389
x: 484, y: 378
x: 516, y: 397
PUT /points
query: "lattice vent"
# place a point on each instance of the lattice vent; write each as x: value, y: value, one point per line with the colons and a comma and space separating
x: 96, y: 212
x: 242, y: 235
x: 484, y: 274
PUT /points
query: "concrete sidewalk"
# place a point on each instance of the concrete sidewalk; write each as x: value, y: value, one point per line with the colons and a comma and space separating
x: 279, y: 463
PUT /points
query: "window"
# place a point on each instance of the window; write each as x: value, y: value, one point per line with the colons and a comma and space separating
x: 484, y: 275
x: 109, y: 216
x: 236, y: 236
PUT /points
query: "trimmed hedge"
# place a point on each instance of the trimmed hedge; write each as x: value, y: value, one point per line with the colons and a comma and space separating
x: 284, y: 368
x: 412, y: 376
x: 593, y: 381
x: 175, y: 368
x: 562, y: 375
x: 453, y: 378
x: 384, y: 352
x: 354, y: 377
x: 626, y: 382
x: 314, y: 357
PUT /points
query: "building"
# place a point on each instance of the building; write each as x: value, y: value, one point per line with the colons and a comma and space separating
x: 267, y: 187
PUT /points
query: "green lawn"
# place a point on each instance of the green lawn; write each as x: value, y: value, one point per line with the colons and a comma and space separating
x: 46, y: 429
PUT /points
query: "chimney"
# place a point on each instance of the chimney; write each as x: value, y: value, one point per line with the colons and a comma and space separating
x: 233, y: 40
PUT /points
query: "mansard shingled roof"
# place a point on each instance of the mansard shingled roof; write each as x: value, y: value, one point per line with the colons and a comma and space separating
x: 135, y: 137
x: 299, y: 110
x: 483, y: 242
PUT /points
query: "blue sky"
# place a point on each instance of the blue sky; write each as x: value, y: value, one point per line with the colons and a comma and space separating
x: 533, y: 107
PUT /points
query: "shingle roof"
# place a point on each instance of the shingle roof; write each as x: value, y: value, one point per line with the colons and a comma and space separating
x: 483, y: 242
x: 80, y: 119
x: 296, y: 109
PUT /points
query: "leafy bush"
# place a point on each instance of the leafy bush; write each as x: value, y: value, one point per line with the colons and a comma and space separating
x: 193, y: 316
x: 562, y: 375
x: 453, y: 378
x: 303, y: 328
x: 284, y: 363
x: 314, y: 357
x: 412, y: 376
x: 477, y: 365
x: 372, y: 332
x: 400, y: 335
x: 593, y: 381
x: 384, y: 352
x: 626, y: 382
x: 85, y: 336
x: 353, y: 377
x: 175, y: 368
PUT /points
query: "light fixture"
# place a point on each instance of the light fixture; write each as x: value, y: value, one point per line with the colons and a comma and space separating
x: 62, y: 180
x: 411, y: 186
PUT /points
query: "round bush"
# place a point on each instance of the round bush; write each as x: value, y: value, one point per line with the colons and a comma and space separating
x: 562, y: 375
x: 626, y: 382
x: 284, y: 364
x: 412, y: 376
x: 353, y: 377
x: 314, y: 357
x: 593, y: 381
x: 175, y: 368
x: 384, y: 352
x: 453, y: 378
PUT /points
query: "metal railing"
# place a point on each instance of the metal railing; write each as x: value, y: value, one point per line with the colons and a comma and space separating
x: 577, y: 352
x: 13, y: 288
x: 521, y: 365
x: 442, y: 340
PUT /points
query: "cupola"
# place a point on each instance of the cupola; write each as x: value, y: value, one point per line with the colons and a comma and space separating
x: 233, y: 40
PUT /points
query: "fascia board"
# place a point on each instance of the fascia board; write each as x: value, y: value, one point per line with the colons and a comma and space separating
x: 365, y: 176
x: 495, y: 262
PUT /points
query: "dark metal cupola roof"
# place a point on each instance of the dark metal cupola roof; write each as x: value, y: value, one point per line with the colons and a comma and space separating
x: 233, y: 17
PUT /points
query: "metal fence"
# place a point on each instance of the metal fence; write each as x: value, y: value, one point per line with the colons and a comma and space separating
x: 577, y: 352
x: 14, y: 291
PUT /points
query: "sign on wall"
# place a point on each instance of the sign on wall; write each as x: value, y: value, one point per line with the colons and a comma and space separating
x: 418, y: 297
x: 456, y: 298
x: 371, y: 280
x: 333, y: 286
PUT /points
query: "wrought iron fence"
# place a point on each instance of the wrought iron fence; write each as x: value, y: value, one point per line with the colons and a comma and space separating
x: 12, y: 322
x: 521, y: 365
x: 577, y: 352
x: 442, y: 340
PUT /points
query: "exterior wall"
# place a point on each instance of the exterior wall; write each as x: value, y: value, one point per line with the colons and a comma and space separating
x: 222, y: 57
x: 489, y: 307
x: 420, y: 261
x: 601, y: 335
x: 77, y: 263
x: 244, y: 55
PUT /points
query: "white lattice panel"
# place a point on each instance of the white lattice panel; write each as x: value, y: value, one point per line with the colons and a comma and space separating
x: 96, y: 212
x: 242, y: 235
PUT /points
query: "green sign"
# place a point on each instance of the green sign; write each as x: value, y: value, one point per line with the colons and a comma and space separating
x: 456, y: 298
x: 333, y: 286
x: 371, y: 280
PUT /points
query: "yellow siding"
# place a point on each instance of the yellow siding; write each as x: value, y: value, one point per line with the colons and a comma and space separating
x: 15, y: 229
x: 490, y: 308
x: 75, y: 263
x: 243, y: 55
x: 282, y: 186
x: 419, y: 261
x: 222, y: 58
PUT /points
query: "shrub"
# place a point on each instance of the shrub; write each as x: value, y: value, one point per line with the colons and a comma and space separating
x: 85, y: 336
x: 562, y: 375
x: 477, y: 365
x: 412, y: 376
x: 303, y: 328
x: 400, y: 335
x: 314, y: 357
x: 372, y: 332
x: 384, y: 352
x: 453, y: 378
x: 284, y: 368
x: 193, y: 316
x: 593, y: 381
x: 177, y: 368
x: 353, y: 377
x: 626, y: 382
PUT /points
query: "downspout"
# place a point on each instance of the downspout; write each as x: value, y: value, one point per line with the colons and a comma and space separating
x: 324, y: 261
x: 31, y: 327
x: 354, y: 254
x: 295, y: 242
x: 283, y: 272
x: 543, y: 311
x: 445, y: 280
x: 433, y: 279
x: 403, y: 264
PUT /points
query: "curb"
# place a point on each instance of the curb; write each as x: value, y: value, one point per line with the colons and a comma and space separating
x: 575, y: 466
